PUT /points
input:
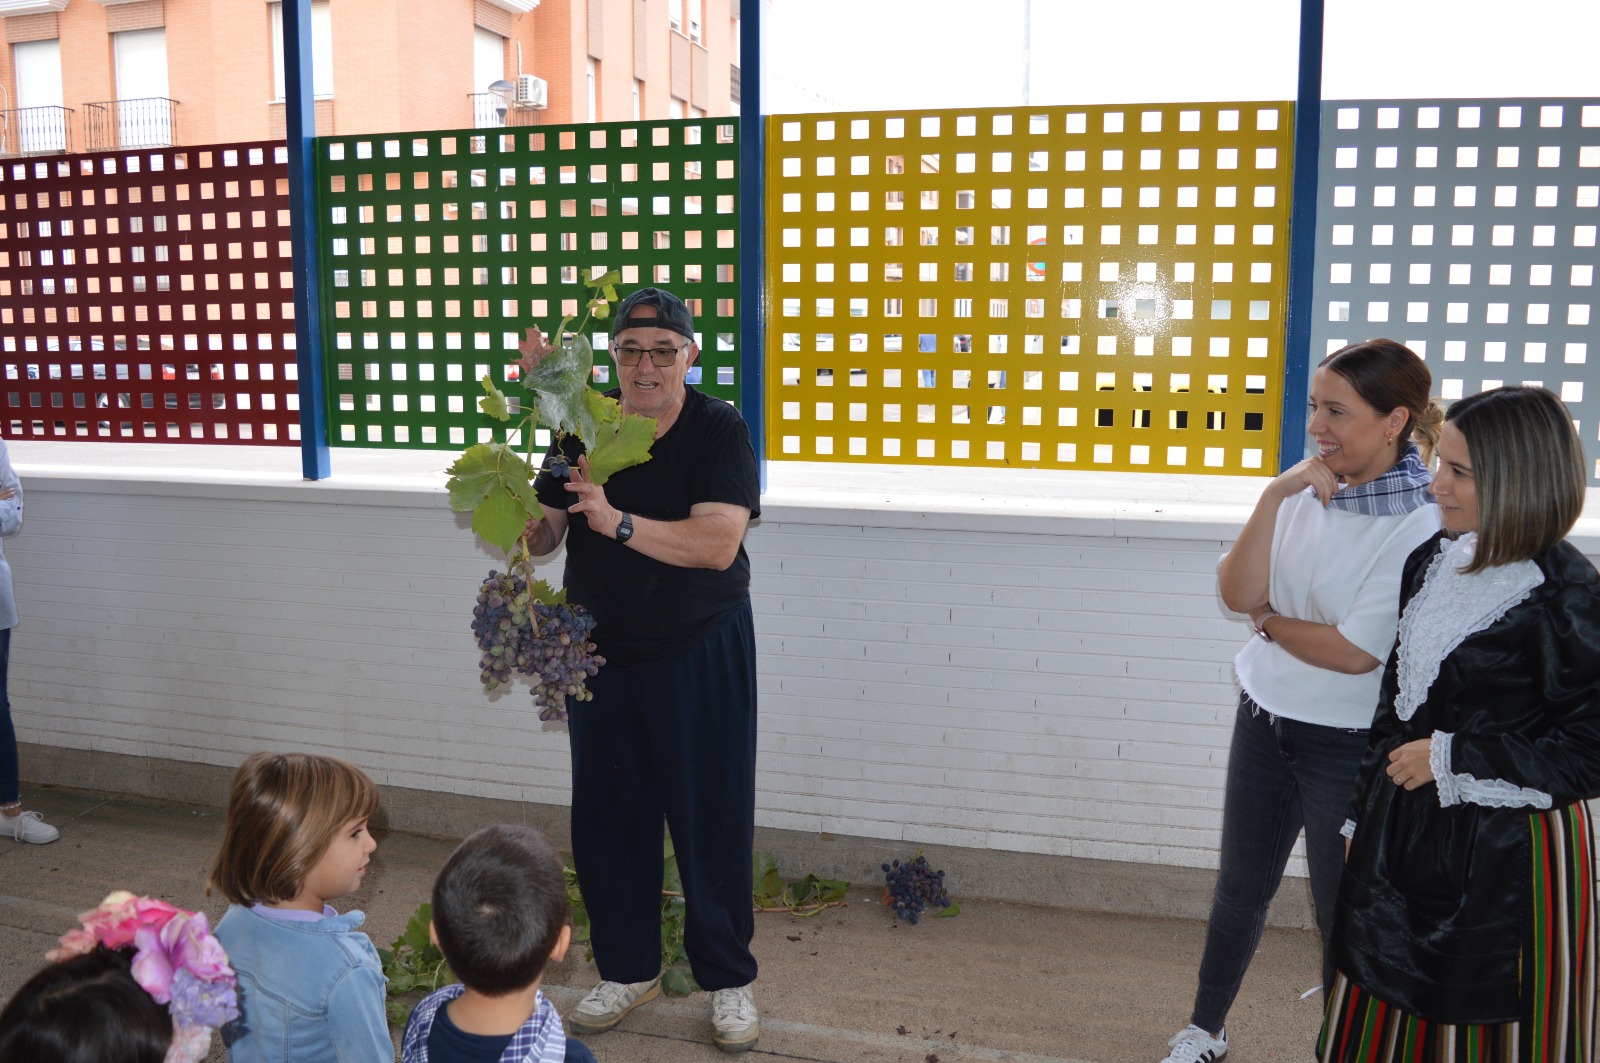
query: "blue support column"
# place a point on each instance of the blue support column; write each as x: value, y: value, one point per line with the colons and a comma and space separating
x: 301, y: 121
x: 752, y: 235
x: 1302, y: 236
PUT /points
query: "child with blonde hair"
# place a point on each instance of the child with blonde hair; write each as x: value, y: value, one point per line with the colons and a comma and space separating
x: 311, y: 988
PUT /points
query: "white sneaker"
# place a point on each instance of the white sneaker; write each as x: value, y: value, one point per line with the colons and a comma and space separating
x: 1194, y: 1045
x: 605, y: 1005
x: 28, y: 827
x: 735, y: 1025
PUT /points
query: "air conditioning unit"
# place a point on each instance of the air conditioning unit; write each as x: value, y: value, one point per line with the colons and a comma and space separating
x: 532, y: 91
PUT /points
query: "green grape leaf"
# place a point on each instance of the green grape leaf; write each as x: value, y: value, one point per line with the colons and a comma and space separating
x: 670, y: 878
x: 561, y: 381
x: 946, y: 913
x: 416, y: 933
x: 678, y: 982
x: 620, y: 440
x: 803, y: 890
x: 831, y: 890
x: 493, y: 403
x: 608, y: 282
x: 761, y: 865
x: 496, y: 484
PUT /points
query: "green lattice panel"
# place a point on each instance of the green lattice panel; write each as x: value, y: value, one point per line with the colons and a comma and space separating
x: 439, y: 249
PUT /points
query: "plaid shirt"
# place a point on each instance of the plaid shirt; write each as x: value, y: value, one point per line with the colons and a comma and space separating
x: 541, y: 1039
x: 1397, y: 492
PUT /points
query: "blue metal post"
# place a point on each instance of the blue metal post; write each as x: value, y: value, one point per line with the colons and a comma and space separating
x: 752, y: 235
x: 301, y: 121
x: 1302, y: 236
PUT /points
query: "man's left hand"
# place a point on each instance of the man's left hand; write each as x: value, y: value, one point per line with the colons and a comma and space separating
x: 602, y: 516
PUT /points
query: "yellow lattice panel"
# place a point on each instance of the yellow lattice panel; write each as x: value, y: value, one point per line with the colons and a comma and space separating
x: 1040, y: 287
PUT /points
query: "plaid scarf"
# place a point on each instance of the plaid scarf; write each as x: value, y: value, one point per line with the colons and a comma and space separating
x: 1397, y: 492
x: 541, y: 1039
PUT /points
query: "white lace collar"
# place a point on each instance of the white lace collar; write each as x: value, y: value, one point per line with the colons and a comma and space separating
x: 1450, y: 606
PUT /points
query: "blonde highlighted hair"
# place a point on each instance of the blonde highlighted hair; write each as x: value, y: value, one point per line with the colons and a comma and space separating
x: 283, y: 812
x: 1527, y: 471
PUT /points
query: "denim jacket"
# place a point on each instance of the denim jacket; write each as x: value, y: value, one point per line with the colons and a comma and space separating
x: 309, y: 992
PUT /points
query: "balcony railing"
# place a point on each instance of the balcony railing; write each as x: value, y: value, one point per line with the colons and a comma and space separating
x: 35, y: 131
x: 490, y: 111
x: 151, y: 122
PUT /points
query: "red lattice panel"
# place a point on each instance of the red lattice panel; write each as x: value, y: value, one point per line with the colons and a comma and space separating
x: 147, y: 296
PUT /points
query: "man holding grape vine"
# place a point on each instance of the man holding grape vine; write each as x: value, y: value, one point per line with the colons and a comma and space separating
x: 657, y: 556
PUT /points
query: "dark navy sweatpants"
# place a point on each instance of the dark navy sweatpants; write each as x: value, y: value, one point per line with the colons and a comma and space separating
x: 678, y: 743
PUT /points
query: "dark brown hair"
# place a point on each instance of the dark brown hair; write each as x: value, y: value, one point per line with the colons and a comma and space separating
x: 1527, y: 471
x: 499, y: 904
x: 283, y: 811
x: 1389, y: 376
x: 87, y: 1009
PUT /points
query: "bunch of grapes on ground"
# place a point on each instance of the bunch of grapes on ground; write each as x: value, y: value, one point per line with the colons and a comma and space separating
x: 529, y: 630
x: 913, y: 887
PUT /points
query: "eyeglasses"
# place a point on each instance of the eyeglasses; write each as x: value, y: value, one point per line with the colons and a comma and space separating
x: 663, y: 357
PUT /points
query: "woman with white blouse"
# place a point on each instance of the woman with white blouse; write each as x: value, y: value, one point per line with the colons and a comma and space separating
x: 1317, y: 569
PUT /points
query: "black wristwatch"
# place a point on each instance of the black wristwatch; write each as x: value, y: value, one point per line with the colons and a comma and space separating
x: 624, y: 530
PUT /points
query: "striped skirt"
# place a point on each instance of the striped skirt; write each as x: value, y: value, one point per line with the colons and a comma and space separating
x: 1558, y: 1023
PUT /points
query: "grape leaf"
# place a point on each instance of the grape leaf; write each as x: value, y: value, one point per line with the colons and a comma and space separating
x: 496, y: 484
x: 561, y: 380
x: 761, y: 865
x: 678, y: 982
x: 493, y: 403
x: 620, y: 440
x: 946, y: 913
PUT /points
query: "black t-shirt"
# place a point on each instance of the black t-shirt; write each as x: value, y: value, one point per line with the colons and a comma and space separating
x: 448, y: 1043
x: 646, y: 611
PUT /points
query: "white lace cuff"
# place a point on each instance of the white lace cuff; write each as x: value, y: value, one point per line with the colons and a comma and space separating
x: 1466, y: 789
x: 1349, y: 828
x: 1439, y: 764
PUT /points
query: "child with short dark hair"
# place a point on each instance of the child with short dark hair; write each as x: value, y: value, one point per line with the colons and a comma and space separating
x: 141, y: 982
x: 499, y: 917
x: 311, y: 988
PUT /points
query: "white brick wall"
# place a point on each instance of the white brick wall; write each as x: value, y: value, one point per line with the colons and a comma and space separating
x: 1038, y: 673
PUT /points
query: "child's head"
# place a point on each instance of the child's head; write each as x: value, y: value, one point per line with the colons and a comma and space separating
x: 500, y: 909
x: 88, y: 1009
x: 285, y: 811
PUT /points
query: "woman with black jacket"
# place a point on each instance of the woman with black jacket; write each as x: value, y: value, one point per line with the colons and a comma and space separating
x: 1466, y: 927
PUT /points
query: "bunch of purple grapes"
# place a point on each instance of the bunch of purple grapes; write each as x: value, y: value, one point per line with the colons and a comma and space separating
x: 547, y: 643
x: 914, y: 887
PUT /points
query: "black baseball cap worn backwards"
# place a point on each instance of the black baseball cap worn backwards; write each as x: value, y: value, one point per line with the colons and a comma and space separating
x: 671, y: 313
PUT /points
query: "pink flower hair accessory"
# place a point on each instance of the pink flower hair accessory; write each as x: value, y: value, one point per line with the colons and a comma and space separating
x: 176, y: 959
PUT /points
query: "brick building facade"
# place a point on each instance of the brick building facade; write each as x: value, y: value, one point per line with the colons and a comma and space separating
x: 84, y: 75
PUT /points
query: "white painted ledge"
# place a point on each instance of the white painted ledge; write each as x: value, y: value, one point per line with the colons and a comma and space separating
x: 1024, y: 501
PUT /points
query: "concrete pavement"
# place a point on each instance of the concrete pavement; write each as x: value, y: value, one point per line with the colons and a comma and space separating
x: 1000, y: 982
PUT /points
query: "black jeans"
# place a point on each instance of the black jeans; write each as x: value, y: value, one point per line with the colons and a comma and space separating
x: 1282, y: 775
x: 678, y: 743
x: 10, y: 777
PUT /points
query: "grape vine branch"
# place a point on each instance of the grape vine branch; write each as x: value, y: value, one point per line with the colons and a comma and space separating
x: 524, y: 625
